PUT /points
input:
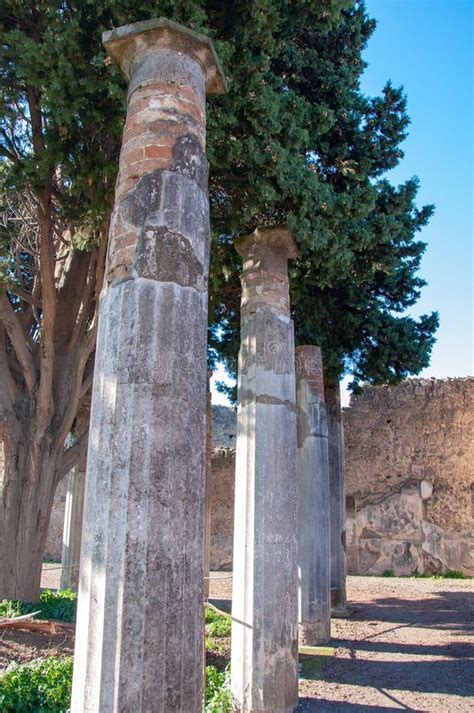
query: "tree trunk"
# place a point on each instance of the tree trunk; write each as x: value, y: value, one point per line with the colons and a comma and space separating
x: 27, y: 493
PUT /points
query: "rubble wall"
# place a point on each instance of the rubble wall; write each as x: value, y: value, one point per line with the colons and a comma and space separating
x: 409, y: 453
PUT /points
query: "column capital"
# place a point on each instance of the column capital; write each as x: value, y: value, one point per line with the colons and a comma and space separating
x: 127, y: 44
x: 277, y: 238
x: 309, y: 367
x: 265, y: 254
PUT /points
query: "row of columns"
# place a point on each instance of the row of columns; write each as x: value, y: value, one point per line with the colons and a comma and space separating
x: 140, y: 628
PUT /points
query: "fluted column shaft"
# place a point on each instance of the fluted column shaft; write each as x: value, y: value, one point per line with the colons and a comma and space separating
x: 71, y: 553
x: 208, y: 513
x: 313, y: 502
x: 139, y: 646
x: 264, y: 604
x: 337, y: 494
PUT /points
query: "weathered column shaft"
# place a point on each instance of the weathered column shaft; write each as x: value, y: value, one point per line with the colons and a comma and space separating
x: 313, y: 502
x: 71, y: 553
x: 337, y: 495
x: 139, y: 645
x: 208, y: 512
x: 265, y: 600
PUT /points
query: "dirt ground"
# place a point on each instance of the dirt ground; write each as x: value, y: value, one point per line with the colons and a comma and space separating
x: 409, y: 645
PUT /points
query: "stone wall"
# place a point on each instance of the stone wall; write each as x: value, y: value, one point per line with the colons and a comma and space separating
x: 222, y: 508
x: 409, y: 454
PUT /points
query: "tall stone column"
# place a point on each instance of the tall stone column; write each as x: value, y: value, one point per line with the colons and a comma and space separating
x: 313, y: 503
x: 265, y: 598
x: 140, y: 625
x: 208, y: 513
x: 337, y: 495
x: 71, y: 554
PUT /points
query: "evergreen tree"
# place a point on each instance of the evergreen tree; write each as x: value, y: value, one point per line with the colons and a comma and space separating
x: 357, y: 271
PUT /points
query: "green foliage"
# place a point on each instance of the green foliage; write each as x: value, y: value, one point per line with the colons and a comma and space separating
x: 52, y: 605
x: 450, y: 574
x: 42, y: 686
x: 388, y: 573
x: 218, y: 630
x: 217, y: 624
x: 218, y: 695
x: 359, y: 256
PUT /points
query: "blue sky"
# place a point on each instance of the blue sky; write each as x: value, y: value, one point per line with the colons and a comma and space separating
x: 427, y: 46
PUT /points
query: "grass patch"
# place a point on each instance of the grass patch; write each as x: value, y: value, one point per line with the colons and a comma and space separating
x: 312, y: 660
x: 451, y: 574
x: 52, y: 605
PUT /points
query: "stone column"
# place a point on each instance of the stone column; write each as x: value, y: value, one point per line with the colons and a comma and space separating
x: 313, y: 503
x: 337, y: 495
x: 140, y: 625
x: 265, y: 598
x: 72, y: 530
x: 208, y: 513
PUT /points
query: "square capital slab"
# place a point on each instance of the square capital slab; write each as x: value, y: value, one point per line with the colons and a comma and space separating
x: 128, y: 43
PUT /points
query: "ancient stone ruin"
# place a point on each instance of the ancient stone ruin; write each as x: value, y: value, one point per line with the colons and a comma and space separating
x: 159, y: 513
x: 417, y: 475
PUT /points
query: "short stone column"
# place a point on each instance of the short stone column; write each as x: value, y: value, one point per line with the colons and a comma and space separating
x: 337, y: 496
x: 265, y: 598
x: 313, y: 504
x: 140, y: 624
x: 71, y: 553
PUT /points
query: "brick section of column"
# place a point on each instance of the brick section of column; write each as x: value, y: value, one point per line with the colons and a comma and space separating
x: 337, y: 496
x: 265, y: 602
x: 140, y: 629
x: 313, y: 502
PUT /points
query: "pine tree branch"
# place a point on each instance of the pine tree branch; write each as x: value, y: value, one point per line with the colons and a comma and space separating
x: 74, y: 454
x: 20, y: 344
x: 28, y: 297
x: 45, y: 403
x: 74, y: 393
x: 9, y: 390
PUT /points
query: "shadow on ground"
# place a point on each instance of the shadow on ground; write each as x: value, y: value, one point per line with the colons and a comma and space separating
x: 445, y: 610
x: 393, y: 662
x: 322, y: 705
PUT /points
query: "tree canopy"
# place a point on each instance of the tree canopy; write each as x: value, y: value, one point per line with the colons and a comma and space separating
x: 359, y: 254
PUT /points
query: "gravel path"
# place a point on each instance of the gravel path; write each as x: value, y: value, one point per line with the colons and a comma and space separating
x: 409, y: 645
